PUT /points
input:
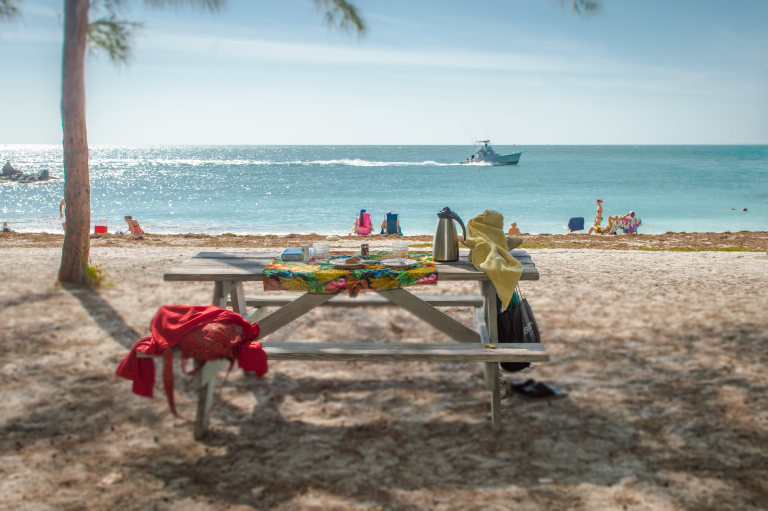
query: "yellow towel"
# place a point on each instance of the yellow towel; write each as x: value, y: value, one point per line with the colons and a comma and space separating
x: 488, y: 252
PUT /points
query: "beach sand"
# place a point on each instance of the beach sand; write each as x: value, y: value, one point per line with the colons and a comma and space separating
x: 663, y: 355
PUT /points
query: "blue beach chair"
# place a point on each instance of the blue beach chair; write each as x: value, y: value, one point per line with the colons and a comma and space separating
x: 392, y: 227
x: 574, y: 225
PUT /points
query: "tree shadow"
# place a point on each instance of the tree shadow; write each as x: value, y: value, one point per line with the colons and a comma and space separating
x: 106, y: 317
x: 363, y: 441
x: 376, y: 461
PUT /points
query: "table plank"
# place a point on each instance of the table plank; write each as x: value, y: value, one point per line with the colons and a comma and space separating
x: 248, y: 266
x: 364, y: 300
x: 404, y: 352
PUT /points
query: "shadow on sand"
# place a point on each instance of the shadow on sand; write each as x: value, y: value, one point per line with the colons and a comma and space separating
x: 104, y: 315
x: 550, y: 449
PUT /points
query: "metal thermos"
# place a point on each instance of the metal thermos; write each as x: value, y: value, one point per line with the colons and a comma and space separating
x: 445, y: 246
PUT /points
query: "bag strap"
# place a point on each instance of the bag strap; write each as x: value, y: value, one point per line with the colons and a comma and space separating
x: 168, y: 383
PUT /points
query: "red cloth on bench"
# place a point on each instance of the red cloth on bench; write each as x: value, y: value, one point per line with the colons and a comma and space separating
x: 170, y: 324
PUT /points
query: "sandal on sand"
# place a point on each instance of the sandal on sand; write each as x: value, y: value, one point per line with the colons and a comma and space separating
x: 517, y: 385
x: 539, y: 389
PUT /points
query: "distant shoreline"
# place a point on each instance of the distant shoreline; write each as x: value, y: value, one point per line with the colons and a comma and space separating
x: 743, y: 241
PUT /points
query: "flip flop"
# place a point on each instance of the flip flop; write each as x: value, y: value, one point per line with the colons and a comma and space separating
x: 539, y: 389
x: 519, y: 385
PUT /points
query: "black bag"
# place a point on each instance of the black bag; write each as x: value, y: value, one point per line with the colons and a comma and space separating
x: 517, y: 324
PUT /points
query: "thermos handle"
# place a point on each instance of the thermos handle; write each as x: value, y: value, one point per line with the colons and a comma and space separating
x: 464, y: 229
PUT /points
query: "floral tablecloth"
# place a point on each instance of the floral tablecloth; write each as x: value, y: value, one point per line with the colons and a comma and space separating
x: 325, y: 278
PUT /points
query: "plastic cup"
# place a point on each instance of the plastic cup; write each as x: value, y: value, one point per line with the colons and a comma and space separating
x: 400, y: 250
x: 322, y: 251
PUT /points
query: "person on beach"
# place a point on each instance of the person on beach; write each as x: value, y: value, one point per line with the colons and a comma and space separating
x: 363, y: 225
x: 596, y: 229
x: 384, y: 225
x: 513, y: 230
x: 599, y: 215
x: 6, y: 228
x: 632, y: 223
x: 631, y: 214
x: 134, y: 227
x: 63, y: 214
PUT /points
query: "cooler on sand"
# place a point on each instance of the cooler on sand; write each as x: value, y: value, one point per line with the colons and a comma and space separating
x: 102, y: 227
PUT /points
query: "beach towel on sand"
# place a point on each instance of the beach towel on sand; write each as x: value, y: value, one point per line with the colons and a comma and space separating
x: 488, y: 252
x: 202, y: 332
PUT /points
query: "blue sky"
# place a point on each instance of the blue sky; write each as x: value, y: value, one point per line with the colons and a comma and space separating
x: 429, y: 72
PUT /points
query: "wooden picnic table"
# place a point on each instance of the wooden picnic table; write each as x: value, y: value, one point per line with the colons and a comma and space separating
x: 229, y: 270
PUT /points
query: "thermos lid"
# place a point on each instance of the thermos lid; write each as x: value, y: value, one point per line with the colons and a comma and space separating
x: 446, y: 213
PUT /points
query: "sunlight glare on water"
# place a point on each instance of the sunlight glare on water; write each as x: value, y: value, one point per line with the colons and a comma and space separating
x: 303, y: 189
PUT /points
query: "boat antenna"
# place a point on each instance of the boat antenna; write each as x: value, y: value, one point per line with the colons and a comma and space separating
x: 469, y: 133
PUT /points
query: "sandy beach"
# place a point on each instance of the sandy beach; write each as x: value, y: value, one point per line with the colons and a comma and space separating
x: 662, y: 352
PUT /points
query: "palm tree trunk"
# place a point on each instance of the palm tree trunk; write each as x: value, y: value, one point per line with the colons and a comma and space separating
x: 77, y: 184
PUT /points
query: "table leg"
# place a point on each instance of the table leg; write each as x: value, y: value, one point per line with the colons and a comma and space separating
x: 492, y: 368
x: 238, y: 299
x: 219, y: 298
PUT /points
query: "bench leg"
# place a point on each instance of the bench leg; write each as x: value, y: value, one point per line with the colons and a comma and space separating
x: 492, y: 368
x: 256, y: 314
x: 495, y: 396
x: 205, y: 381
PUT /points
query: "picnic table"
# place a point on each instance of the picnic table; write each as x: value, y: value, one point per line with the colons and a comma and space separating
x: 229, y: 270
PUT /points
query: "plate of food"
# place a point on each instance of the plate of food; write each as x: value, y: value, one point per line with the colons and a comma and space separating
x: 398, y: 264
x: 348, y: 263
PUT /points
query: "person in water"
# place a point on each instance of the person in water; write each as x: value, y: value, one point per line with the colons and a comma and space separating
x: 133, y: 226
x: 6, y: 228
x: 513, y: 230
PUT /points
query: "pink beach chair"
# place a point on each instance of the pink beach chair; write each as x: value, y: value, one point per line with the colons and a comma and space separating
x: 364, y: 226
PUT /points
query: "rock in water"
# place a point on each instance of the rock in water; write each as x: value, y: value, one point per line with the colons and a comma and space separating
x: 43, y: 175
x: 8, y: 169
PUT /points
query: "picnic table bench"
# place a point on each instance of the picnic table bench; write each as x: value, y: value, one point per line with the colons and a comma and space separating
x: 229, y: 270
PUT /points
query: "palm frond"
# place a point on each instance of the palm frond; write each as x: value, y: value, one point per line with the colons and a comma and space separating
x: 582, y: 7
x: 9, y: 9
x: 342, y: 14
x: 206, y: 5
x: 109, y: 32
x: 112, y: 36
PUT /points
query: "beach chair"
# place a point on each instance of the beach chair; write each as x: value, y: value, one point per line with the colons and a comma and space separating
x: 632, y: 225
x: 619, y: 227
x: 574, y: 225
x: 392, y: 227
x: 365, y: 229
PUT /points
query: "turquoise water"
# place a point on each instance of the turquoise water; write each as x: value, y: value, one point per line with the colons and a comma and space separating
x: 303, y: 189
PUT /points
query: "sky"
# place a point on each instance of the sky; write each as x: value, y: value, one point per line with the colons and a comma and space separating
x: 427, y: 72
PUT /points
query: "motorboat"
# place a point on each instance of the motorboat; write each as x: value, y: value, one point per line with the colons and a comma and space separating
x: 484, y: 153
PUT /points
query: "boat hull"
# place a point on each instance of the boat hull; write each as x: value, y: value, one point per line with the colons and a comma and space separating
x: 504, y: 159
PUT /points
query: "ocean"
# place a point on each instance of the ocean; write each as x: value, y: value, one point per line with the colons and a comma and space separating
x: 320, y: 189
